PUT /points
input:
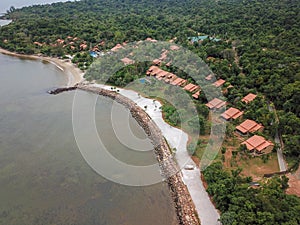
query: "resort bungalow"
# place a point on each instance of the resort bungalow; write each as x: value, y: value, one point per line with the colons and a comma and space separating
x: 209, y: 77
x: 196, y: 95
x: 174, y: 47
x: 170, y: 77
x: 168, y: 64
x: 249, y: 98
x: 117, y: 48
x: 163, y: 55
x: 215, y: 103
x: 162, y: 74
x: 156, y: 62
x: 153, y: 70
x: 127, y: 61
x: 219, y: 83
x: 249, y: 126
x: 191, y: 87
x: 231, y: 113
x: 83, y: 46
x: 179, y: 82
x: 258, y: 145
x: 151, y: 40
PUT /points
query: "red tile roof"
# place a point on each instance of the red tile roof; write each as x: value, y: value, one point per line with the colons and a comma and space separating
x: 83, y: 46
x: 191, y: 87
x: 164, y: 55
x: 174, y: 47
x: 232, y: 113
x: 215, y: 103
x: 117, y: 47
x: 156, y: 61
x: 249, y: 98
x: 151, y: 40
x: 209, y: 77
x: 179, y: 81
x: 249, y: 126
x: 219, y: 83
x: 196, y: 95
x: 38, y: 43
x: 257, y: 143
x: 153, y: 70
x: 60, y: 41
x: 169, y: 64
x: 127, y: 61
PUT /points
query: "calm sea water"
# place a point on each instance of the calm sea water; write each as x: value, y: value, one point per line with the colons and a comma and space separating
x: 43, y: 177
x: 6, y: 4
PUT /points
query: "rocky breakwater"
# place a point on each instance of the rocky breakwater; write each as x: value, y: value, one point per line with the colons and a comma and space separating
x: 60, y: 90
x: 184, y: 205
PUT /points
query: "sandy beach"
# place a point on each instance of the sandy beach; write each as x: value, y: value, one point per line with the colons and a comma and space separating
x: 75, y: 75
x: 206, y: 211
x: 208, y: 214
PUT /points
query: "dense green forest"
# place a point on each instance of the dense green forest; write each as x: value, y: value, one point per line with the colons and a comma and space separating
x: 258, y: 52
x: 243, y: 204
x: 264, y: 34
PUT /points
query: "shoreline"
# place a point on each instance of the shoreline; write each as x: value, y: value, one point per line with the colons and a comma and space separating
x: 176, y: 138
x: 187, y: 182
x: 184, y: 206
x: 74, y: 74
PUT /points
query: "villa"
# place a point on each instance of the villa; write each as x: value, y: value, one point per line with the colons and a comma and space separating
x: 249, y: 98
x: 191, y: 87
x: 215, y: 103
x: 116, y: 48
x: 209, y: 77
x: 156, y: 62
x: 219, y: 83
x: 127, y: 61
x: 258, y: 145
x: 174, y: 47
x: 249, y: 126
x: 232, y: 113
x: 179, y: 82
x: 196, y: 95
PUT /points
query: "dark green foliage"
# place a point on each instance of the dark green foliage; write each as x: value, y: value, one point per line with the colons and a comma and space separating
x: 258, y: 52
x: 170, y: 114
x: 241, y: 204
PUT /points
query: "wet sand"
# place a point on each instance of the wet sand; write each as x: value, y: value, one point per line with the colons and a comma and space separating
x: 75, y: 75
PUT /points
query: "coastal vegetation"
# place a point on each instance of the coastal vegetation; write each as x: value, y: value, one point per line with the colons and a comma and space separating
x: 243, y: 202
x: 252, y: 45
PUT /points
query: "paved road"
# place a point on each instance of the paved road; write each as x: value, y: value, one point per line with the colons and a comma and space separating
x: 281, y: 161
x: 176, y: 138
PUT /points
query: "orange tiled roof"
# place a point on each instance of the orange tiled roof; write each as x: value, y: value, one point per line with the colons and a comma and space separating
x: 174, y: 47
x: 127, y: 61
x: 156, y: 61
x: 219, y: 83
x: 151, y: 40
x: 249, y: 98
x: 249, y: 126
x: 209, y: 77
x: 191, y: 87
x: 215, y: 103
x: 179, y: 81
x: 232, y: 113
x: 83, y: 46
x: 196, y: 95
x: 257, y: 143
x: 117, y: 47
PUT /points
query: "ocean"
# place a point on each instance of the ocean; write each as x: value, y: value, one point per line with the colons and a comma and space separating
x: 43, y: 176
